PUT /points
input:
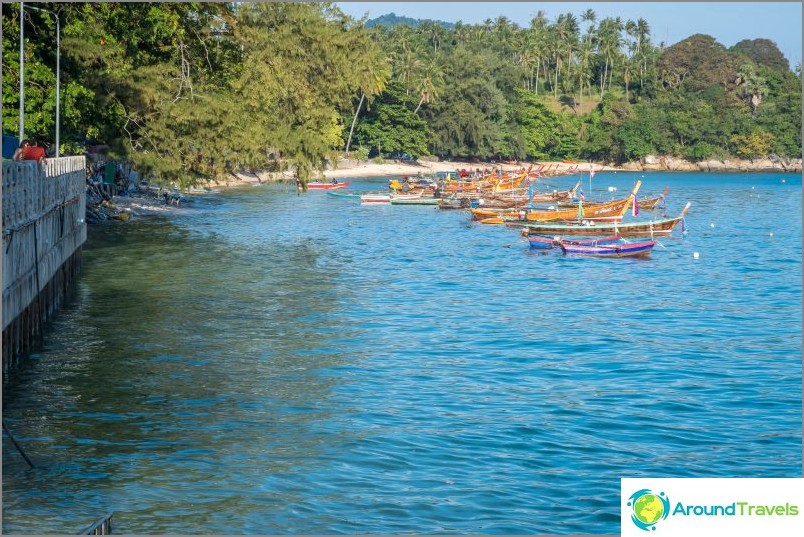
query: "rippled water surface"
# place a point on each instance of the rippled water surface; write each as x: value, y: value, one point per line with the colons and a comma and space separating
x: 265, y: 363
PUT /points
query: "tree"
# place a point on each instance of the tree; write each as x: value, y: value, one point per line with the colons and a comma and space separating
x: 763, y: 52
x: 753, y: 86
x: 391, y: 126
x: 754, y: 145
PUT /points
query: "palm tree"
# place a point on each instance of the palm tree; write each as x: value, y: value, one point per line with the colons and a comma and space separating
x: 754, y: 86
x: 372, y: 82
x: 590, y: 17
x: 462, y: 33
x: 537, y: 42
x: 431, y: 84
x: 406, y: 67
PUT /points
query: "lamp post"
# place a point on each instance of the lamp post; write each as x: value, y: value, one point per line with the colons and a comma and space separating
x: 22, y: 76
x: 58, y: 74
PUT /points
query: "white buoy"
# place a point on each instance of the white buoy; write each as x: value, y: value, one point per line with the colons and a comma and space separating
x: 695, y: 255
x: 771, y: 233
x: 712, y: 225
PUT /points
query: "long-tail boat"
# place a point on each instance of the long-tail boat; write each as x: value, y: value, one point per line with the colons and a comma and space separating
x: 652, y: 228
x: 318, y: 185
x: 646, y: 204
x: 608, y: 249
x: 652, y: 203
x: 611, y: 211
x: 541, y: 242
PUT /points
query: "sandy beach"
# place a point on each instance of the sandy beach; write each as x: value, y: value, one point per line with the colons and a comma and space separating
x: 370, y: 169
x: 351, y: 169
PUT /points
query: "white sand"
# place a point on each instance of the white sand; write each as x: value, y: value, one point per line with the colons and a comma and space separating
x: 398, y: 168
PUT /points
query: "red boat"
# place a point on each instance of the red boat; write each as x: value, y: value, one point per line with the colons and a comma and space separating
x: 318, y: 185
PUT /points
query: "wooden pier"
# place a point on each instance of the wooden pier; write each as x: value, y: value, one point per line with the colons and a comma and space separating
x: 44, y: 206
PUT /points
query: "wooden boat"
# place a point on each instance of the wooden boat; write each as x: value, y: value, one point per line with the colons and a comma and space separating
x: 652, y: 228
x: 334, y: 194
x: 646, y: 204
x: 611, y: 211
x: 544, y: 242
x: 318, y: 185
x: 607, y: 249
x: 418, y: 200
x: 453, y: 203
x: 555, y: 195
x: 375, y: 199
x: 651, y: 203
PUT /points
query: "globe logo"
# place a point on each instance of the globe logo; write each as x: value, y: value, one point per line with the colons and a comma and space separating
x: 648, y: 508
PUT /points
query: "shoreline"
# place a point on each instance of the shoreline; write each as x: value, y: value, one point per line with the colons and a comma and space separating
x: 352, y: 169
x: 370, y: 169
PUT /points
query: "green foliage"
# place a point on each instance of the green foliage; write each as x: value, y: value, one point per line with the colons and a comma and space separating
x: 538, y: 125
x: 193, y: 90
x: 763, y: 52
x: 754, y: 145
x: 392, y: 126
x: 361, y: 153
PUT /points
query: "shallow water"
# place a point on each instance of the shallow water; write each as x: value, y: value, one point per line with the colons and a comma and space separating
x: 267, y: 363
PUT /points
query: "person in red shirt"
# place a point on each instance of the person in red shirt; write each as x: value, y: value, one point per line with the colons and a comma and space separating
x: 25, y: 144
x: 33, y: 152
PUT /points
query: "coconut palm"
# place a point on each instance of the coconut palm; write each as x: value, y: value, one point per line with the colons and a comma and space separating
x: 431, y: 84
x: 372, y: 81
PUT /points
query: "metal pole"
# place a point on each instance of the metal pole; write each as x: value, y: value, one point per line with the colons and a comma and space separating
x: 22, y: 76
x: 58, y: 82
x: 58, y: 72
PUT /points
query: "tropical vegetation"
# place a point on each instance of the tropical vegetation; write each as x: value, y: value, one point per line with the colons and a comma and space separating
x: 193, y: 91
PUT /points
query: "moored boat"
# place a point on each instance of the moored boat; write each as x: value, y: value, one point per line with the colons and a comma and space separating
x: 544, y: 242
x: 611, y: 211
x: 318, y: 185
x: 418, y: 200
x: 652, y: 228
x: 607, y: 249
x: 375, y: 199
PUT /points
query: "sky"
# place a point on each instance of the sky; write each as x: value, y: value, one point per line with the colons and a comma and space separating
x: 670, y: 22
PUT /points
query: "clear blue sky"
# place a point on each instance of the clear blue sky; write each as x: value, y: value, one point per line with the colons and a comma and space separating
x: 670, y: 22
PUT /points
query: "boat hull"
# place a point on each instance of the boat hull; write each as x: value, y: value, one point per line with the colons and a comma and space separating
x: 375, y: 199
x: 655, y: 228
x: 327, y: 186
x: 635, y: 249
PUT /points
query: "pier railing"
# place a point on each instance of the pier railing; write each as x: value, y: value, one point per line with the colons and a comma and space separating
x: 102, y: 526
x: 44, y: 206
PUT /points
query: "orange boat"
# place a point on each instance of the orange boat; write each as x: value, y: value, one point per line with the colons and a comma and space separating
x: 612, y: 211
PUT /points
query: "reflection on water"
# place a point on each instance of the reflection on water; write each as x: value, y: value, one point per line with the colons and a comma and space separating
x: 273, y: 363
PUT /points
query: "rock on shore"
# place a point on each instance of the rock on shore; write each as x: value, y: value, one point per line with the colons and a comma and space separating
x: 652, y: 164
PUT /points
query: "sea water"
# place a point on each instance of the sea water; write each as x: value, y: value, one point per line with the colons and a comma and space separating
x: 263, y: 362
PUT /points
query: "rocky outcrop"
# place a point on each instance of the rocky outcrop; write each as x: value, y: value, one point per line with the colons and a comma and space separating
x: 653, y: 163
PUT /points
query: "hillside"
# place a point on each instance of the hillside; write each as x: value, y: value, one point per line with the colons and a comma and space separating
x: 392, y: 19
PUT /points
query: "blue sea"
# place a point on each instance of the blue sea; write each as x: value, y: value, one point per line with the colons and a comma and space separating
x: 262, y: 362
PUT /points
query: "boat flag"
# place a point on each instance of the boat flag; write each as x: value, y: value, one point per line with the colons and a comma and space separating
x: 635, y: 206
x: 581, y: 196
x: 591, y: 173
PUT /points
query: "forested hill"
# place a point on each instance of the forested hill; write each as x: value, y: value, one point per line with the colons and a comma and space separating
x: 189, y: 91
x: 392, y: 19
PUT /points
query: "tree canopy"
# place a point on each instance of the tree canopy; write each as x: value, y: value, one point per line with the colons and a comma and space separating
x: 194, y: 90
